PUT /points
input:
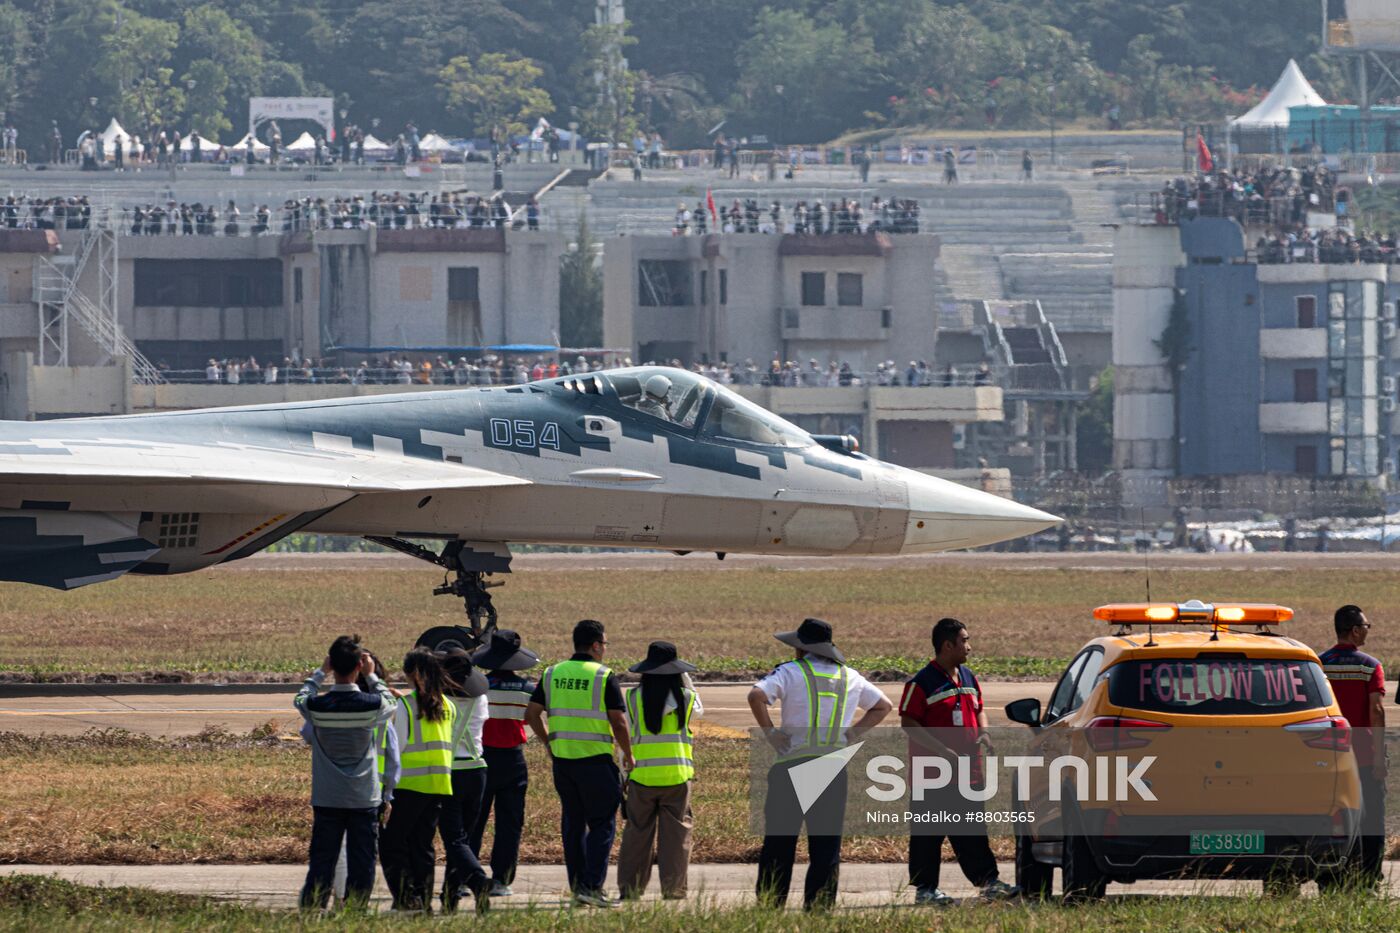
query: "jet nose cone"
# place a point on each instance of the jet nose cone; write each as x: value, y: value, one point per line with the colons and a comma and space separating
x: 945, y: 516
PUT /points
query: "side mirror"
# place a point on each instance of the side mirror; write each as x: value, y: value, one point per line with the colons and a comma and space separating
x: 1026, y: 712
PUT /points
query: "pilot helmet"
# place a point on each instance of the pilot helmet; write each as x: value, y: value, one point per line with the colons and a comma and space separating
x: 658, y: 387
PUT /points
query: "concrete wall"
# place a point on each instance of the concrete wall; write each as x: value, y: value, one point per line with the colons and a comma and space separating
x: 1219, y: 394
x: 1146, y: 260
x: 764, y: 314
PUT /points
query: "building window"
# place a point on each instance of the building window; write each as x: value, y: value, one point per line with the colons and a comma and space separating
x: 464, y: 306
x: 814, y: 289
x: 1305, y: 459
x: 1307, y: 310
x: 663, y: 283
x: 1304, y: 385
x: 464, y: 284
x: 296, y: 286
x: 724, y: 286
x: 704, y: 287
x: 850, y: 289
x: 209, y: 283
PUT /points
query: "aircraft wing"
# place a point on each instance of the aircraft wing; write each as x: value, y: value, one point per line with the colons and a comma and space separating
x: 143, y: 476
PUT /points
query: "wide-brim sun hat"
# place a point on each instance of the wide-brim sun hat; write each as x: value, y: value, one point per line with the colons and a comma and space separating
x: 662, y: 658
x: 503, y: 653
x: 814, y: 637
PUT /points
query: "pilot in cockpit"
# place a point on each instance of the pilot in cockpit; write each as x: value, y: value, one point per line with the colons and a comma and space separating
x: 655, y: 400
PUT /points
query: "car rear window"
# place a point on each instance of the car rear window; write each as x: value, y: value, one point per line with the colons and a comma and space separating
x: 1219, y: 686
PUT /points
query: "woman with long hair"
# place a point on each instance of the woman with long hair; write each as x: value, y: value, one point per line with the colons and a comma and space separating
x: 424, y: 724
x: 466, y: 693
x: 657, y: 802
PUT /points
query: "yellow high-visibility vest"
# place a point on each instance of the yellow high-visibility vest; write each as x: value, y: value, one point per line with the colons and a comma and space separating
x: 425, y: 748
x: 578, y: 720
x: 663, y: 758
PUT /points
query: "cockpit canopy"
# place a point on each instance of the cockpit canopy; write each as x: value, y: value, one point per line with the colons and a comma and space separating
x: 688, y: 400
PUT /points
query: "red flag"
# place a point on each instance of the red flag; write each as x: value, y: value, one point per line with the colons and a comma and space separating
x: 710, y: 203
x: 1203, y: 158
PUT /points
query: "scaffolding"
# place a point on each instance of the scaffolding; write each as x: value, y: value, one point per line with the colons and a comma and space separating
x: 62, y: 304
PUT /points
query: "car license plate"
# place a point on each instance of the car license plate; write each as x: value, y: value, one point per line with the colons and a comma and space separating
x: 1245, y: 843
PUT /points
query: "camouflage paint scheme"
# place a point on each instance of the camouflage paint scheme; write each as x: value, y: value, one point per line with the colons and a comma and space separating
x: 576, y: 460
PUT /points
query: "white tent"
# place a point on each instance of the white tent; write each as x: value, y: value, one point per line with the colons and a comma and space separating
x: 113, y: 130
x: 375, y: 145
x: 258, y: 145
x: 435, y: 143
x: 1291, y: 90
x: 205, y: 144
x: 303, y: 143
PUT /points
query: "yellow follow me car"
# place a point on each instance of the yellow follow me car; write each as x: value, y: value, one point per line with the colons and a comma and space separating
x: 1250, y: 764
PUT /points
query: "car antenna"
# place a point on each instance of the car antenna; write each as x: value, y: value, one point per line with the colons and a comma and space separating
x: 1147, y: 568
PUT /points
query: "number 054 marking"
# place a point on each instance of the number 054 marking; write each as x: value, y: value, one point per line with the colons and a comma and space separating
x: 522, y: 434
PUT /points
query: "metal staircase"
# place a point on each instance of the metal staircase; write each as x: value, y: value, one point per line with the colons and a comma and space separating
x: 62, y: 303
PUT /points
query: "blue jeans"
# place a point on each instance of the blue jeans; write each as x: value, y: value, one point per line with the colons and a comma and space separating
x: 590, y: 790
x: 360, y: 830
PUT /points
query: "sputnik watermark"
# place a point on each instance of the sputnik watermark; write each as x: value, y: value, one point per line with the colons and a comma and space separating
x: 1110, y: 779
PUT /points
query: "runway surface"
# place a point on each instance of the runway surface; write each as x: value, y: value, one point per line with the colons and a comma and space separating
x: 863, y: 886
x: 167, y: 712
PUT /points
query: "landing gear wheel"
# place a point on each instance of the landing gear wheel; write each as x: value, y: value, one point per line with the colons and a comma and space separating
x: 468, y: 569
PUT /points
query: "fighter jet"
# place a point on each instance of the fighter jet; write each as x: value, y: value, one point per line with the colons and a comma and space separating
x: 647, y: 457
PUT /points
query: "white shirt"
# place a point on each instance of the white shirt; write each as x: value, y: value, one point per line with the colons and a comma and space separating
x: 787, y: 683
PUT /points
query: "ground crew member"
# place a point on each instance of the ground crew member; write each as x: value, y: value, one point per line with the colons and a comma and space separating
x: 425, y: 722
x: 941, y: 711
x: 345, y: 793
x: 386, y: 747
x: 503, y: 741
x: 466, y: 691
x: 819, y: 696
x: 660, y: 711
x: 586, y: 717
x: 1358, y: 682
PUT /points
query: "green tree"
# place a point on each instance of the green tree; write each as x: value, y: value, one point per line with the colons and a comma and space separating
x: 500, y: 93
x: 824, y: 76
x: 606, y: 86
x: 581, y: 292
x: 16, y: 54
x: 207, y: 99
x: 134, y: 59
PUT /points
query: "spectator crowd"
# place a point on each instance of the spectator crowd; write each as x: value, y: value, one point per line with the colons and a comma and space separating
x: 846, y: 216
x: 497, y: 370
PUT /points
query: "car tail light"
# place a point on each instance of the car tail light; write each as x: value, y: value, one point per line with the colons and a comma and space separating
x: 1111, y: 733
x: 1330, y: 732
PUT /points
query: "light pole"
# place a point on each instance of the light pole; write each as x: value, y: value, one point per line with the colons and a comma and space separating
x: 782, y: 113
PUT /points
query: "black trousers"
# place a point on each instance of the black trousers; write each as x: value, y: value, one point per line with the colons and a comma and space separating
x: 590, y: 790
x: 973, y: 852
x: 459, y: 814
x: 360, y: 829
x: 507, y: 779
x: 783, y: 821
x: 407, y: 845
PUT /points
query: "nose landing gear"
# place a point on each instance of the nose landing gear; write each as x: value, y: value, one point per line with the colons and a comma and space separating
x: 469, y: 564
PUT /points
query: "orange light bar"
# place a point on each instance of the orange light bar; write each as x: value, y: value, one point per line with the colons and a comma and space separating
x: 1253, y: 613
x: 1128, y: 613
x: 1193, y: 612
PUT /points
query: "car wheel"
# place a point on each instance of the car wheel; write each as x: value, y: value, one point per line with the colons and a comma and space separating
x: 1036, y: 880
x: 1081, y: 878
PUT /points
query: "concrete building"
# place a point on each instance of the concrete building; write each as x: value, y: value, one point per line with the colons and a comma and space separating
x: 1282, y: 369
x: 861, y: 298
x: 76, y: 298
